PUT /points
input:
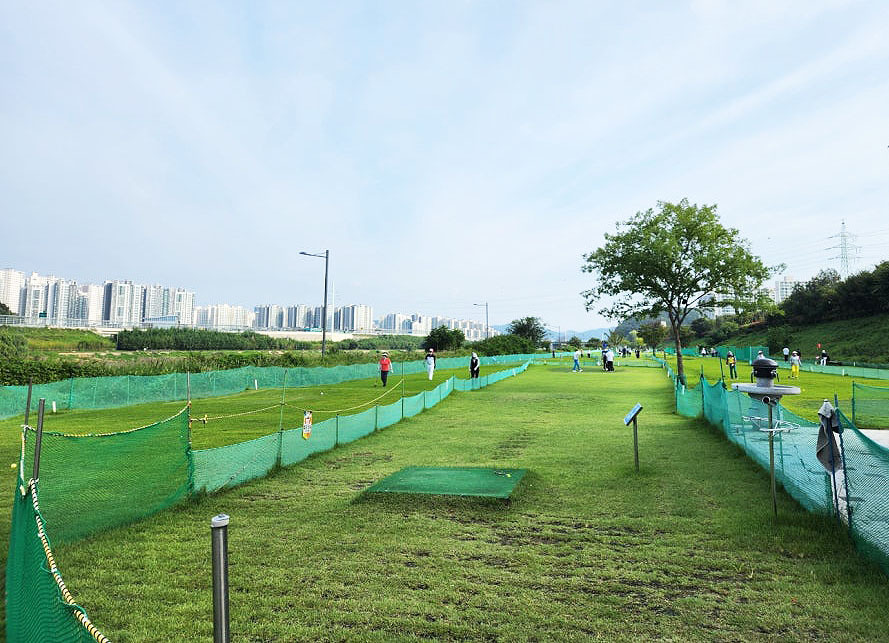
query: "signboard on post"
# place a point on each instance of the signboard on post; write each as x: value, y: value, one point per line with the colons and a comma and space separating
x: 632, y: 414
x: 307, y: 425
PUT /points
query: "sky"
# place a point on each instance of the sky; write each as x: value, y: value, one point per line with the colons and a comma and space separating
x: 446, y: 153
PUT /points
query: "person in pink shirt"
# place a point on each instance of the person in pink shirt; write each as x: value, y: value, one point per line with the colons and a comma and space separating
x: 385, y: 367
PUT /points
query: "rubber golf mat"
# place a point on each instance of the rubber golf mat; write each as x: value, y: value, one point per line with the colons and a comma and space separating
x: 451, y: 481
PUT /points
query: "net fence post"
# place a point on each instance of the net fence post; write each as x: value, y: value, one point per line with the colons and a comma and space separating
x: 219, y: 543
x: 71, y: 394
x: 28, y: 402
x: 35, y: 472
x: 836, y: 404
x: 281, y: 418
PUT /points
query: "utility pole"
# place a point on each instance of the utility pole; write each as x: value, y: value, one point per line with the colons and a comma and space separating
x: 848, y: 250
x: 487, y: 326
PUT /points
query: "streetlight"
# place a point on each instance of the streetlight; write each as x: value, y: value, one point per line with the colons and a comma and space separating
x: 486, y: 317
x: 326, y: 257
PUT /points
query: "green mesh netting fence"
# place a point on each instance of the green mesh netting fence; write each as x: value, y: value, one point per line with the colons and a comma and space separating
x: 742, y: 353
x: 870, y: 406
x: 129, y: 475
x: 866, y: 463
x: 127, y: 390
x: 845, y: 371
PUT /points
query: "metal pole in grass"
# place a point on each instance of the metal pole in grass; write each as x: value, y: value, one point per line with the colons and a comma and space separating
x: 28, y: 402
x: 772, y: 460
x: 631, y: 417
x: 39, y: 442
x: 402, y: 389
x: 219, y: 542
x: 836, y: 405
x: 188, y: 386
x: 281, y: 416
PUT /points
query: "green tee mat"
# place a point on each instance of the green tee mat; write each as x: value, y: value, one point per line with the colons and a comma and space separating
x: 452, y: 481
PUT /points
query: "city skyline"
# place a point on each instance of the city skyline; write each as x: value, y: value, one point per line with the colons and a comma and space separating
x: 127, y: 303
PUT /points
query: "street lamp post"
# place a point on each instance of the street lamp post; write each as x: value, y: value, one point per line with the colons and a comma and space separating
x: 487, y: 326
x: 326, y: 257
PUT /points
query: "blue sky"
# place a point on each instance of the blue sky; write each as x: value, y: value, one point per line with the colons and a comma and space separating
x: 447, y: 153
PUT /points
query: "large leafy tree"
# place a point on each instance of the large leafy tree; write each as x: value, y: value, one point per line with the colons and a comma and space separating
x: 528, y: 327
x: 672, y: 259
x: 442, y: 339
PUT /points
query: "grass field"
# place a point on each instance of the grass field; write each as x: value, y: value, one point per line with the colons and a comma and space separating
x: 685, y: 549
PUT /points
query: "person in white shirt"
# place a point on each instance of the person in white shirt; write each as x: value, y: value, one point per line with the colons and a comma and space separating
x: 430, y: 362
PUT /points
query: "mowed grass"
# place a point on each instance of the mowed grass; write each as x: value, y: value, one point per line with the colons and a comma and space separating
x: 814, y: 387
x: 357, y: 395
x: 685, y: 549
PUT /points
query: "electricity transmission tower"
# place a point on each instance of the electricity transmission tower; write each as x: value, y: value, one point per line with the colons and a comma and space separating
x: 847, y: 249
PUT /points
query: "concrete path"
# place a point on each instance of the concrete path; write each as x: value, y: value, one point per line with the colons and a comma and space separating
x: 879, y: 436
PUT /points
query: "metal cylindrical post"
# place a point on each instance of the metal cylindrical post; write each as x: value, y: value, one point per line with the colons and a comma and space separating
x: 28, y: 402
x: 635, y: 444
x: 38, y: 444
x: 772, y: 462
x: 219, y: 541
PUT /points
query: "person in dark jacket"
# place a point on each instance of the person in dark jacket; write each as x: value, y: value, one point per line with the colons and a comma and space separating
x: 474, y: 366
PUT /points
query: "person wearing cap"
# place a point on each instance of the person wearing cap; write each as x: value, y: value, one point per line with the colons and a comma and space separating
x: 474, y: 366
x: 732, y: 365
x: 385, y: 367
x: 430, y: 362
x: 794, y: 365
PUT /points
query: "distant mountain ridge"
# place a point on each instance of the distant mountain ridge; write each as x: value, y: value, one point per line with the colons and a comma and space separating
x: 551, y: 334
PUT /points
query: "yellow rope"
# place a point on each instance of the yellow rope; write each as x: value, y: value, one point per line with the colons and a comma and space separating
x: 105, y: 435
x: 79, y: 614
x: 206, y: 419
x: 351, y: 408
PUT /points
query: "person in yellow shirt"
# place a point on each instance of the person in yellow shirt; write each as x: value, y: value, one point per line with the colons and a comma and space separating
x: 794, y: 365
x: 732, y: 366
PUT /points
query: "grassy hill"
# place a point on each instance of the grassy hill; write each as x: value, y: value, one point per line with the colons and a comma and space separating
x: 853, y: 340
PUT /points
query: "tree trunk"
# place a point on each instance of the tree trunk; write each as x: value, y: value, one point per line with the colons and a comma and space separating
x: 680, y: 368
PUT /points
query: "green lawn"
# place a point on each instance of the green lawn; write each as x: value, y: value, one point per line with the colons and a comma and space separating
x: 685, y: 549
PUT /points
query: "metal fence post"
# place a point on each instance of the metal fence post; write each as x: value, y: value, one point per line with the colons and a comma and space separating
x: 35, y: 473
x: 219, y: 539
x: 28, y: 403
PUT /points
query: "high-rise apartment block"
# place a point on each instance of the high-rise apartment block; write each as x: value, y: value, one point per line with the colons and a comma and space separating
x: 12, y: 288
x: 784, y: 287
x: 224, y: 317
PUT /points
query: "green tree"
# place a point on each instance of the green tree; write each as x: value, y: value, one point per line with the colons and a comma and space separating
x: 443, y: 339
x: 653, y: 333
x: 530, y: 328
x: 701, y: 326
x: 671, y: 260
x: 504, y: 345
x: 594, y: 342
x: 575, y: 342
x: 615, y: 338
x: 4, y: 309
